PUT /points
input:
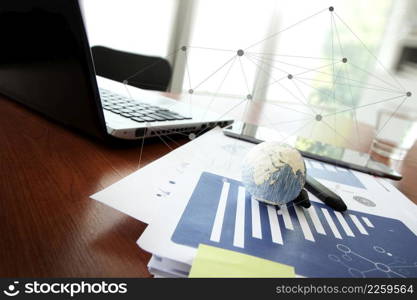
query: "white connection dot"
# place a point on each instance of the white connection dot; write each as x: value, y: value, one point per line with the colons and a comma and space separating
x: 192, y: 136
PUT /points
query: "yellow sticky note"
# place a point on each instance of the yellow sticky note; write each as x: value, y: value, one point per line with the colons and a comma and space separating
x: 216, y: 262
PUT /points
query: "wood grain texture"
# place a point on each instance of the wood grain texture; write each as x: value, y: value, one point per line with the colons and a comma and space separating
x: 48, y: 224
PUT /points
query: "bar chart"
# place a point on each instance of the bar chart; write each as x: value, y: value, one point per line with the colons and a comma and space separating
x: 320, y: 170
x: 317, y: 241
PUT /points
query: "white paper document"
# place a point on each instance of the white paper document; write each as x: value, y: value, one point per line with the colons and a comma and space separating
x: 142, y: 193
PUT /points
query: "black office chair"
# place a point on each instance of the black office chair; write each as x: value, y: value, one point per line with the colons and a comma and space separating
x: 146, y: 72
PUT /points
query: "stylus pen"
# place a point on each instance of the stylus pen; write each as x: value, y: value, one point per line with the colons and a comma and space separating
x: 324, y: 194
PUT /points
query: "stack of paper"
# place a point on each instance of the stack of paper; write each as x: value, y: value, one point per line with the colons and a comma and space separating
x: 193, y: 196
x: 145, y: 193
x: 164, y: 267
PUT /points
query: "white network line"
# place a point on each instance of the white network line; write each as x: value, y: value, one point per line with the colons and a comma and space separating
x: 268, y: 63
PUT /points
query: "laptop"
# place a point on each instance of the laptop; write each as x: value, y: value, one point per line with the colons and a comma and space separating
x: 46, y: 64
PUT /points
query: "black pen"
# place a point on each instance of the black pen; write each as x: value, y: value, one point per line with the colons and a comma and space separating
x: 324, y: 194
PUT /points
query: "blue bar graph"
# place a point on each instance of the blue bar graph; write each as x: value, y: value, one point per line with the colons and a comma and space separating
x: 320, y: 170
x: 318, y: 241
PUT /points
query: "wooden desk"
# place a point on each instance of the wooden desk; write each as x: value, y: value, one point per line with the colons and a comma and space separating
x: 49, y: 226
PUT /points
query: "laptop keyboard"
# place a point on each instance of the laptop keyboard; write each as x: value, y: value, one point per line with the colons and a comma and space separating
x: 137, y: 111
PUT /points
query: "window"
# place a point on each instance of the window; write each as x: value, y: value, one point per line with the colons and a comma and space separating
x: 312, y: 60
x: 333, y: 63
x: 138, y: 26
x: 220, y: 29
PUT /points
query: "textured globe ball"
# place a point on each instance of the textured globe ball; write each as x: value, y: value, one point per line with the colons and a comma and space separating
x: 274, y: 173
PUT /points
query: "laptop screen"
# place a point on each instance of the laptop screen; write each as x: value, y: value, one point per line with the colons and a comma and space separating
x: 45, y: 62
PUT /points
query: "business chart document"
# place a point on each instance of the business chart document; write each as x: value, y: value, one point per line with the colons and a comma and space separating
x: 318, y: 241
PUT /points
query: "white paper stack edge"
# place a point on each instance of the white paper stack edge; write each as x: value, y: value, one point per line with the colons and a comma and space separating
x: 167, y: 268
